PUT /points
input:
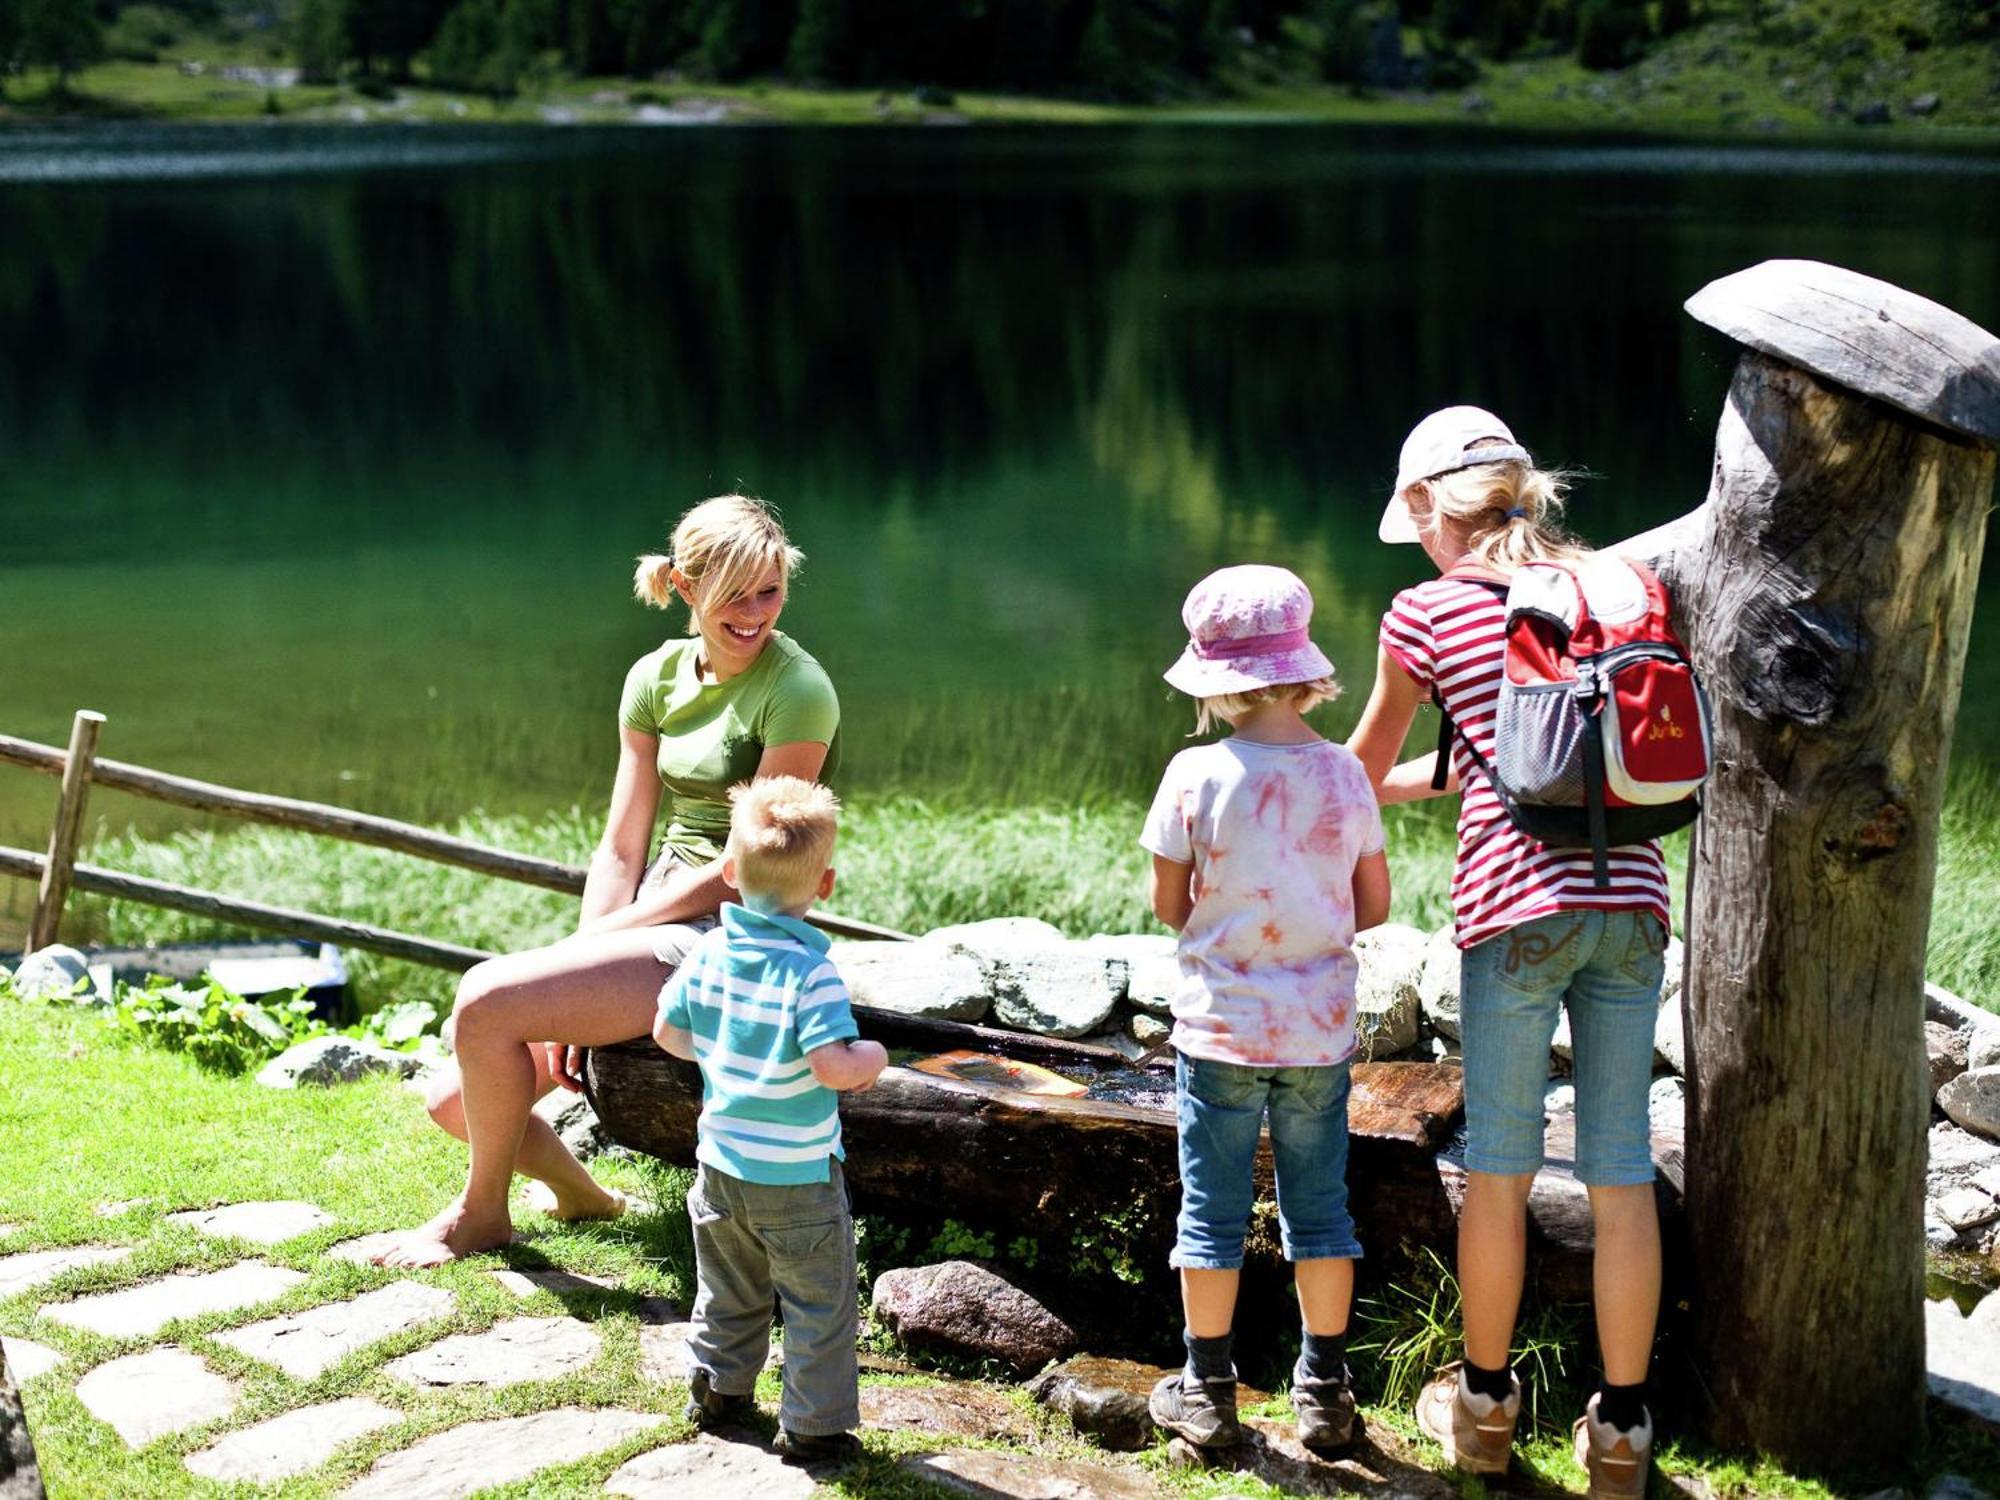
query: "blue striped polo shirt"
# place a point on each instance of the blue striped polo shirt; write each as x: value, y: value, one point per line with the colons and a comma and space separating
x: 757, y: 994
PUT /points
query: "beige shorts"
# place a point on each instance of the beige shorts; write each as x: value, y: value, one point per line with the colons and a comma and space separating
x: 672, y: 941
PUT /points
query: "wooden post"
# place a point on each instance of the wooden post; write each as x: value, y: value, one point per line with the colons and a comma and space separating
x: 54, y: 890
x: 1826, y: 594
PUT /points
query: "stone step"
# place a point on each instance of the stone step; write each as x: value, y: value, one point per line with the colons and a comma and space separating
x: 664, y: 1357
x: 305, y: 1344
x: 260, y: 1223
x: 990, y: 1475
x: 143, y: 1310
x: 27, y: 1359
x: 711, y: 1468
x: 35, y: 1268
x: 481, y: 1455
x: 146, y: 1396
x: 293, y: 1443
x: 550, y: 1279
x: 509, y: 1353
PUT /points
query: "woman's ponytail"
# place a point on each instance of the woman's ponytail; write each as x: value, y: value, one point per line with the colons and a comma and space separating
x: 653, y: 582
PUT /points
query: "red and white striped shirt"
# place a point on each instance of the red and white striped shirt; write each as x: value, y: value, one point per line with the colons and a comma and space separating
x: 1451, y: 633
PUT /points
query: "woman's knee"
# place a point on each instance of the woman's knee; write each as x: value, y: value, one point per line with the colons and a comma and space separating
x: 474, y: 1011
x: 445, y: 1101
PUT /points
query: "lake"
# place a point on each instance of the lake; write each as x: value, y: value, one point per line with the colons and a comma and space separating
x: 325, y: 453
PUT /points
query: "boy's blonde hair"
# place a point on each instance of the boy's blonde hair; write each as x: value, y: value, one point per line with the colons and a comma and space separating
x: 1229, y: 707
x: 722, y: 547
x: 781, y: 832
x: 1477, y: 500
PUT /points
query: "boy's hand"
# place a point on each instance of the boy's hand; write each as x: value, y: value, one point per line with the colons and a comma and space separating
x: 850, y: 1067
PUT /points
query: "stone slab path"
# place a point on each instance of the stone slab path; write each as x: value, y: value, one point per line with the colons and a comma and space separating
x: 480, y: 1455
x: 664, y: 1357
x: 362, y: 1251
x: 147, y: 1396
x: 33, y: 1268
x: 293, y: 1443
x: 970, y: 1411
x: 306, y: 1344
x: 550, y: 1279
x: 260, y: 1223
x: 143, y: 1310
x: 988, y: 1475
x: 508, y: 1353
x: 27, y: 1359
x: 711, y: 1468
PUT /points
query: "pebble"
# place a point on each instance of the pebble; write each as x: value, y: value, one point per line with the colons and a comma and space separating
x: 259, y: 1223
x: 142, y: 1311
x: 509, y: 1353
x: 307, y: 1344
x: 147, y: 1396
x: 293, y: 1443
x: 33, y: 1268
x: 484, y: 1455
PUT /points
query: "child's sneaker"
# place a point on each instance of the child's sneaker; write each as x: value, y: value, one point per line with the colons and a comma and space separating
x: 1616, y: 1458
x: 709, y: 1409
x: 1202, y: 1411
x: 1328, y: 1420
x: 1475, y: 1431
x: 815, y: 1447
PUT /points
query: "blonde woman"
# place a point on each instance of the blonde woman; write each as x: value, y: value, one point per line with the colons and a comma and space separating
x: 732, y: 701
x: 1537, y: 935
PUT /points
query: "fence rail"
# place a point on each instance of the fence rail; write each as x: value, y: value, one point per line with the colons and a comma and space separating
x: 57, y: 871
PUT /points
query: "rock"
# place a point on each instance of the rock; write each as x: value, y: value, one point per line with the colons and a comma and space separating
x: 991, y: 1475
x: 1062, y: 991
x: 1437, y: 991
x: 146, y: 1396
x: 1387, y: 1001
x: 959, y: 1308
x: 664, y: 1357
x: 1954, y: 1487
x: 509, y: 1353
x: 1972, y: 1100
x: 1271, y: 1452
x: 924, y: 978
x: 1152, y: 967
x: 998, y: 935
x: 712, y: 1468
x: 1473, y: 102
x: 1966, y: 1208
x: 1104, y: 1399
x: 57, y: 972
x: 293, y: 1443
x: 332, y: 1059
x: 1945, y: 1051
x: 1670, y: 1037
x: 1963, y: 1357
x: 1982, y: 1048
x: 1147, y: 1031
x: 260, y: 1223
x: 461, y: 1461
x: 142, y: 1311
x: 1923, y: 105
x: 307, y: 1344
x: 28, y: 1359
x: 1940, y: 1004
x: 1559, y: 1099
x: 574, y: 1122
x: 1666, y: 1106
x: 1562, y: 1049
x: 1876, y: 112
x: 959, y: 1410
x: 1955, y: 1156
x: 33, y: 1268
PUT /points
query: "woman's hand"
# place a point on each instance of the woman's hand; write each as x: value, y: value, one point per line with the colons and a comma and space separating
x: 565, y: 1066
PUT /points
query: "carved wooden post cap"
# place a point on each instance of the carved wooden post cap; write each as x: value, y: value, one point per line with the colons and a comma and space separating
x: 1869, y: 336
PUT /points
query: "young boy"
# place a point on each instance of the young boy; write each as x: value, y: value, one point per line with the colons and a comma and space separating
x: 758, y: 1006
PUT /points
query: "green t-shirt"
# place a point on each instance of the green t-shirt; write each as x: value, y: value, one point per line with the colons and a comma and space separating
x: 712, y: 734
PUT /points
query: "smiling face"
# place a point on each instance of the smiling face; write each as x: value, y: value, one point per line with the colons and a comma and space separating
x: 735, y: 628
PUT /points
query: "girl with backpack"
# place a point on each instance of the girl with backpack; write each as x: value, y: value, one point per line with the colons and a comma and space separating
x: 1540, y: 929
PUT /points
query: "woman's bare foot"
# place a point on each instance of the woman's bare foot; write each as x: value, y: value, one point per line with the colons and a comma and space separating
x: 454, y: 1233
x: 609, y: 1203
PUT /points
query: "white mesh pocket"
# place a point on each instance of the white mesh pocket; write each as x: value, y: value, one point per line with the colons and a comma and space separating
x: 1538, y: 742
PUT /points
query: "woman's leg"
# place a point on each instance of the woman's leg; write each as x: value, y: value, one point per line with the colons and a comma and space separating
x: 585, y: 991
x: 542, y: 1156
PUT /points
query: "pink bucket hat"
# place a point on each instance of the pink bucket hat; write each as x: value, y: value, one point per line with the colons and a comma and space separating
x: 1246, y: 630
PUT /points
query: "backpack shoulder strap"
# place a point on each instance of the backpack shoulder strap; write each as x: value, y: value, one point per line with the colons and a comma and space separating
x: 1447, y: 727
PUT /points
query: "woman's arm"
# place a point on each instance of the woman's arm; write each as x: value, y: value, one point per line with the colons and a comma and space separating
x: 619, y: 862
x: 700, y: 891
x: 1385, y: 724
x: 1170, y: 887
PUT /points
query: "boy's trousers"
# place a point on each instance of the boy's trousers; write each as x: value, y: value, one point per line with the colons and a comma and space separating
x: 752, y: 1241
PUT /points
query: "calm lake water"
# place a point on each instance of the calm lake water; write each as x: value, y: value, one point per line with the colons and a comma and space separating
x: 324, y: 454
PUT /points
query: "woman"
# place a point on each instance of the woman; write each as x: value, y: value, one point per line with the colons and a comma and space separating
x: 733, y: 701
x: 1538, y: 935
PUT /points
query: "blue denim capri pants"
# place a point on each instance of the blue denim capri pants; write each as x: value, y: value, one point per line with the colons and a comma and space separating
x: 1605, y: 967
x: 1222, y: 1108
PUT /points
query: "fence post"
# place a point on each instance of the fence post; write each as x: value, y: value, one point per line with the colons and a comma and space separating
x: 68, y: 829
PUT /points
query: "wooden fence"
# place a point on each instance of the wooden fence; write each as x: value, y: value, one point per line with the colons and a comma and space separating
x: 58, y: 872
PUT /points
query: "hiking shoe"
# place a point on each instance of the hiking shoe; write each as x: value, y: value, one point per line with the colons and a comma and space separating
x: 1476, y: 1432
x: 1616, y: 1458
x: 709, y: 1409
x: 815, y: 1447
x: 1202, y: 1411
x: 1328, y: 1421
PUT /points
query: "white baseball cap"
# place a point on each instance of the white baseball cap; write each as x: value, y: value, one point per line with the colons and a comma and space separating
x: 1442, y: 444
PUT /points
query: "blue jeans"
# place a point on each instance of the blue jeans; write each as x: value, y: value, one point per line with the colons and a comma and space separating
x: 1605, y: 966
x: 1221, y: 1107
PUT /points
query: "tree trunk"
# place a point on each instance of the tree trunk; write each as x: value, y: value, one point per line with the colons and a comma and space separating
x: 1827, y: 603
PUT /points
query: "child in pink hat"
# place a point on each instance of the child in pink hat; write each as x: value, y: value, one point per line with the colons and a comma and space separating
x: 1267, y: 859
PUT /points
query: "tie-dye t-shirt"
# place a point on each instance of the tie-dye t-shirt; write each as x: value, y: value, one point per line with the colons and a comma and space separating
x: 1267, y: 956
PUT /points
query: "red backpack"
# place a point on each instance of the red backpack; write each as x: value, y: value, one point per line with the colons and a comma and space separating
x: 1601, y: 736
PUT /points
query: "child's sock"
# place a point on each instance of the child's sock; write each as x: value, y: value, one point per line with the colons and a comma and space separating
x: 1623, y: 1406
x: 1495, y: 1385
x: 1209, y: 1359
x: 1324, y: 1356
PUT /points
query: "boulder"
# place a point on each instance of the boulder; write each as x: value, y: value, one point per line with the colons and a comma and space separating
x: 57, y: 972
x: 1972, y: 1100
x: 1387, y: 1004
x: 1956, y: 1157
x: 927, y: 978
x: 332, y: 1059
x: 1670, y: 1036
x: 1922, y: 105
x: 1982, y: 1048
x: 574, y: 1122
x: 1152, y: 967
x: 1945, y: 1050
x: 999, y: 935
x: 1963, y: 1357
x: 1437, y: 990
x: 956, y: 1307
x: 1039, y: 980
x: 1104, y: 1399
x: 1666, y: 1106
x: 1673, y: 969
